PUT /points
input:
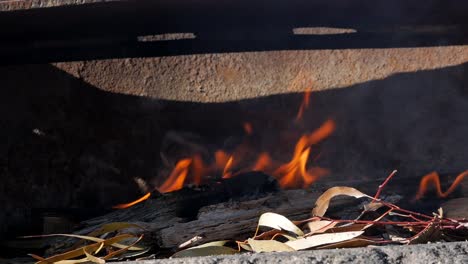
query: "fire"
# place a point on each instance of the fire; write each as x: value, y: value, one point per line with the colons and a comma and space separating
x: 226, y: 172
x: 123, y: 206
x: 177, y: 178
x: 295, y: 172
x: 434, y: 179
x: 289, y: 175
x: 304, y: 105
x: 263, y: 162
x: 224, y: 162
x: 174, y: 182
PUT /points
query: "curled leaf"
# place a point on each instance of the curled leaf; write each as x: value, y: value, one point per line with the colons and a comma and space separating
x: 322, y: 203
x: 279, y: 222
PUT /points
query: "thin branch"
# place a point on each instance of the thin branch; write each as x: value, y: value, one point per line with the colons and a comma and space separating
x: 381, y: 186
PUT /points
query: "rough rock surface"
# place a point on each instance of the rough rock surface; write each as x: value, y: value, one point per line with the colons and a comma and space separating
x: 450, y: 253
x: 9, y: 5
x: 237, y: 76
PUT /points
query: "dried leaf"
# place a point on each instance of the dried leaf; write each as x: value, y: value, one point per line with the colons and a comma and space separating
x: 205, y: 251
x: 112, y: 227
x: 320, y: 226
x: 190, y: 241
x: 267, y: 234
x: 122, y: 250
x: 79, y: 251
x: 245, y: 246
x: 36, y: 257
x: 348, y: 228
x: 128, y: 254
x: 431, y: 232
x: 90, y: 238
x: 322, y: 239
x: 288, y: 237
x: 268, y: 246
x: 92, y: 258
x: 99, y: 248
x: 322, y: 203
x: 373, y: 206
x: 279, y: 222
x: 73, y: 261
x: 456, y: 208
x: 355, y: 242
x: 214, y: 243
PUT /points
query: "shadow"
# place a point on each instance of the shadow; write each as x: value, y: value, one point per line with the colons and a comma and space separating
x: 66, y: 144
x: 112, y: 29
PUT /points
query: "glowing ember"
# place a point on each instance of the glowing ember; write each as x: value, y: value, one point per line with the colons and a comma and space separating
x: 434, y: 179
x: 304, y: 105
x: 122, y: 206
x: 177, y: 178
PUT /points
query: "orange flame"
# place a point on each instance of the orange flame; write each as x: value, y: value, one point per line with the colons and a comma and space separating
x: 224, y: 162
x: 434, y: 179
x: 295, y: 172
x: 262, y: 163
x: 304, y: 105
x: 325, y: 130
x: 173, y: 183
x: 177, y: 178
x: 289, y: 175
x: 248, y: 128
x: 226, y: 172
x: 221, y: 158
x: 139, y: 200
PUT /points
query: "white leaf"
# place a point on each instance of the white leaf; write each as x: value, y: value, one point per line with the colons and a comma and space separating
x: 322, y: 239
x: 279, y: 222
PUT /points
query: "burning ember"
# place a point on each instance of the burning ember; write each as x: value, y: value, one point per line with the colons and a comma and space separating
x: 291, y: 174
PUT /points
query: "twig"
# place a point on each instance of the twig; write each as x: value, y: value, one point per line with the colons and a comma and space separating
x: 381, y: 186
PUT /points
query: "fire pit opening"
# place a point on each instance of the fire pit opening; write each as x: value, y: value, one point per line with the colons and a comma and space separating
x: 152, y: 128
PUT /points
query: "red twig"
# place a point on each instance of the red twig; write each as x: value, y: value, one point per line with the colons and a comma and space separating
x: 381, y: 186
x: 378, y: 222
